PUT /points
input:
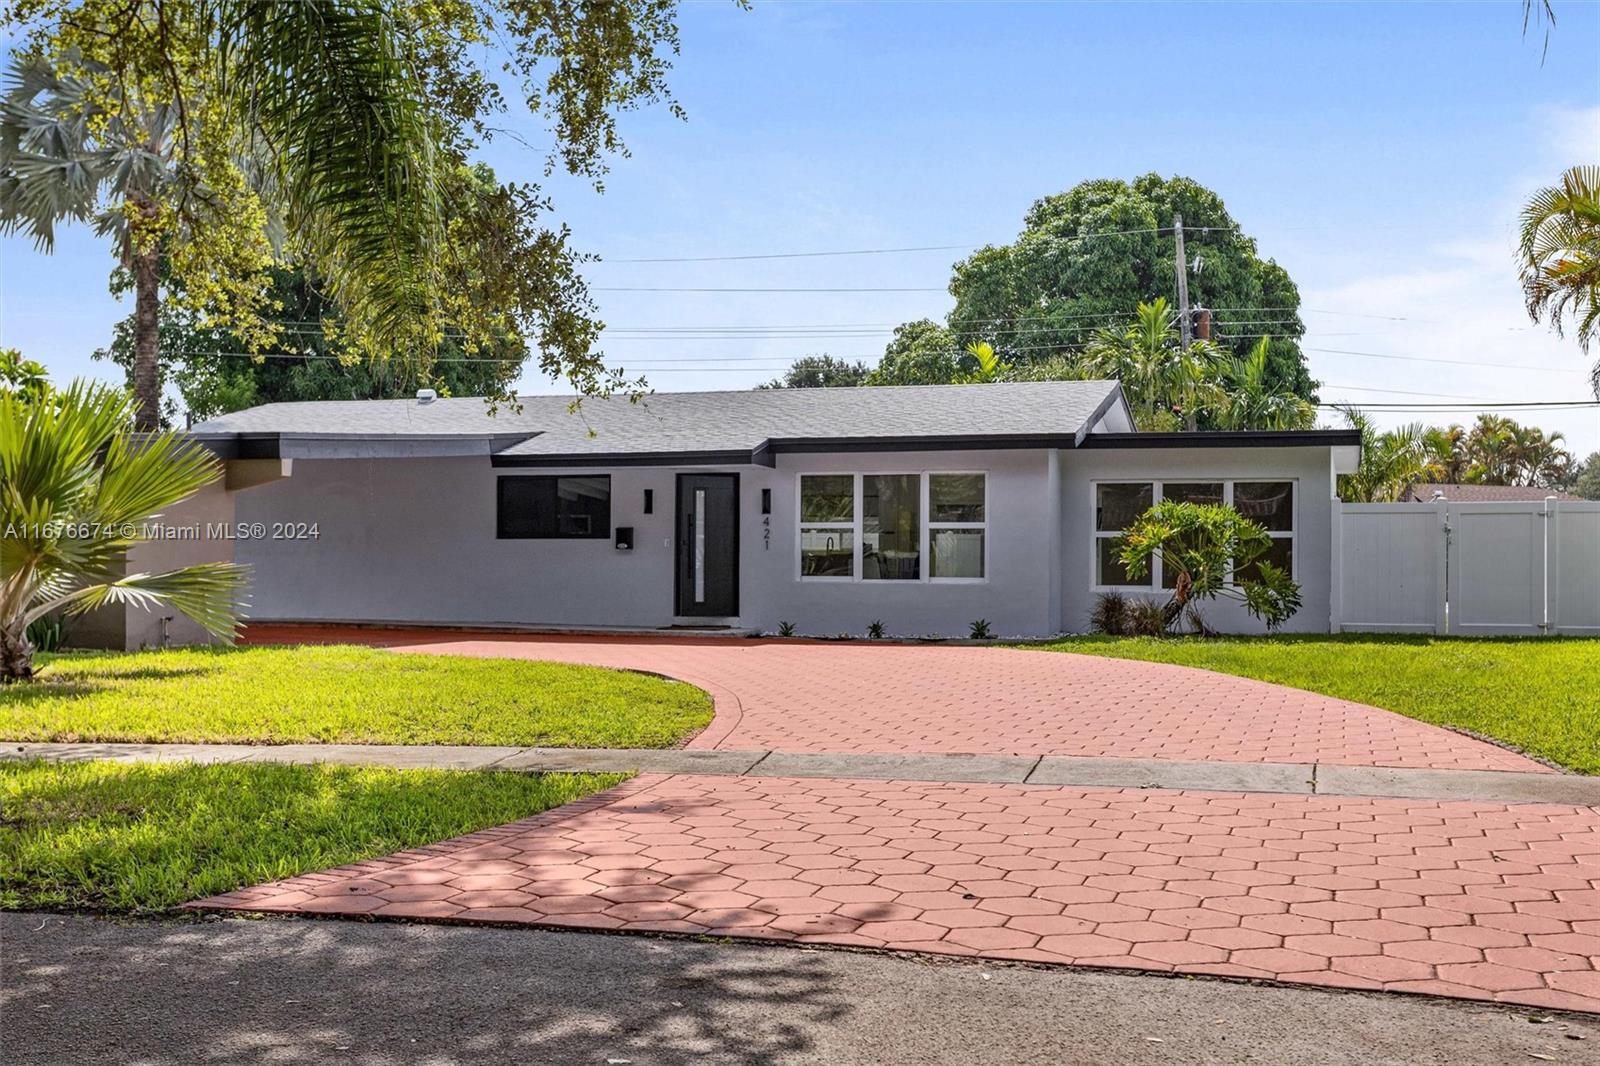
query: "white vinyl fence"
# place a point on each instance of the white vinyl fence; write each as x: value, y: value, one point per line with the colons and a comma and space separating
x: 1471, y: 569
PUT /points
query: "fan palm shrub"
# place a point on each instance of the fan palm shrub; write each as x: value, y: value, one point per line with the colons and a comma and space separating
x: 76, y: 486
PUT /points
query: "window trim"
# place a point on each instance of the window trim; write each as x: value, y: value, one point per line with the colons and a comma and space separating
x: 858, y: 543
x: 499, y: 506
x: 1156, y: 484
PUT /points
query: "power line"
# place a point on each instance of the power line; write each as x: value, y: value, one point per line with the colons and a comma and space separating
x: 1452, y: 362
x: 1526, y: 405
x: 1062, y: 238
x: 670, y: 288
x: 1404, y: 392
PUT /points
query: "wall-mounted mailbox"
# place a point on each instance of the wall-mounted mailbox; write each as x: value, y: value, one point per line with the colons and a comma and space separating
x: 624, y: 538
x: 766, y: 501
x: 649, y: 500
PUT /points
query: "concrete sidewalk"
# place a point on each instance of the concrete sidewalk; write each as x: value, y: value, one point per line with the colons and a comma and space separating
x: 1291, y: 778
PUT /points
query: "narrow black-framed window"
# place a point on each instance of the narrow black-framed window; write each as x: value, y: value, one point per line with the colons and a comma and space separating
x: 551, y: 508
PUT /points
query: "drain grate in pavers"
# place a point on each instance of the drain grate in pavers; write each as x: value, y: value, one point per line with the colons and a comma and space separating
x: 1478, y: 900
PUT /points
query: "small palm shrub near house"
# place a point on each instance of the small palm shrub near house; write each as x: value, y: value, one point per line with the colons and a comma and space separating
x: 875, y: 630
x: 979, y: 630
x: 1213, y: 553
x: 785, y: 629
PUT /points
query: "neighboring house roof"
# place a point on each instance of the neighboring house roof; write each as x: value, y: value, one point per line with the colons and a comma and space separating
x: 687, y: 427
x: 1423, y: 492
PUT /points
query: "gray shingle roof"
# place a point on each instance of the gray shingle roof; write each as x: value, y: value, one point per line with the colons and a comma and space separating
x: 675, y: 422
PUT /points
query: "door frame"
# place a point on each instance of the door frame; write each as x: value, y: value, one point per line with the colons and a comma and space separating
x: 678, y: 543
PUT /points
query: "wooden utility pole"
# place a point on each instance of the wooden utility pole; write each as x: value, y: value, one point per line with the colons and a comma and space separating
x: 1182, y: 267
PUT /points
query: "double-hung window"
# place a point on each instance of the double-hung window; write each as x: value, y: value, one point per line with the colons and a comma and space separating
x: 1118, y: 504
x: 828, y: 525
x: 893, y: 527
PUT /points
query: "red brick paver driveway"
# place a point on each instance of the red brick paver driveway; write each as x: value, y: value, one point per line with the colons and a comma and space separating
x: 1484, y: 901
x: 836, y: 697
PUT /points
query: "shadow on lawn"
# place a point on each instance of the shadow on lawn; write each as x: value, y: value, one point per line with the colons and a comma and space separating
x: 241, y: 992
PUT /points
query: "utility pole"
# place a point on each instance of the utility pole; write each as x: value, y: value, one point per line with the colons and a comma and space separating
x: 1182, y: 267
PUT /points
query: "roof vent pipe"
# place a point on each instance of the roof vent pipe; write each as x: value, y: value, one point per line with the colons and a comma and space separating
x: 427, y: 395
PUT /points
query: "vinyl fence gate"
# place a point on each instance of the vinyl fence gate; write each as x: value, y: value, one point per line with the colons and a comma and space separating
x: 1470, y: 569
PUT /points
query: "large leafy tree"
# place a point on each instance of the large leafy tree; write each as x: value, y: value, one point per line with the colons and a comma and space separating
x: 1560, y: 257
x: 76, y: 487
x: 1088, y: 256
x: 348, y: 122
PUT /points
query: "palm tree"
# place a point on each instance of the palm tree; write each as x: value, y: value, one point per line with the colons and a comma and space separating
x: 990, y: 368
x: 64, y: 156
x: 1390, y: 461
x: 1251, y: 401
x: 1446, y: 450
x: 1560, y: 255
x: 75, y: 485
x: 1157, y: 373
x: 325, y: 90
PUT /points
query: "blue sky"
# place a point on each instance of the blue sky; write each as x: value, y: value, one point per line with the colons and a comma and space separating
x: 1378, y: 151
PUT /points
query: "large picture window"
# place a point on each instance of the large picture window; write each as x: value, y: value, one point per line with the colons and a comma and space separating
x: 545, y: 508
x: 893, y: 527
x: 1117, y: 504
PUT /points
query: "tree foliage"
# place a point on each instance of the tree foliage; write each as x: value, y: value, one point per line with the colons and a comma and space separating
x: 1390, y: 461
x: 920, y: 353
x: 344, y: 126
x: 820, y: 372
x: 1559, y: 249
x: 78, y: 487
x: 1105, y: 246
x: 1496, y: 451
x: 1586, y: 482
x: 1214, y: 552
x: 215, y: 371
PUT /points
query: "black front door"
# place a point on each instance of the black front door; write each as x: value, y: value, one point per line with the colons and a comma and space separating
x: 708, y: 545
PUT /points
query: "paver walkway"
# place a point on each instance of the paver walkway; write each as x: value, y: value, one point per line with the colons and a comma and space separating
x: 1484, y: 901
x: 799, y: 696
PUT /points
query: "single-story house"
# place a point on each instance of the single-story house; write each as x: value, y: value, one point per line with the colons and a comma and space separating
x: 1430, y: 491
x: 924, y: 508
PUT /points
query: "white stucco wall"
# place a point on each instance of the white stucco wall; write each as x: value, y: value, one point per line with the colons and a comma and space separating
x: 1309, y: 468
x: 413, y: 540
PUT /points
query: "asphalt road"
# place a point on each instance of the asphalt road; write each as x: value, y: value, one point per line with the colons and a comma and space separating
x: 234, y: 991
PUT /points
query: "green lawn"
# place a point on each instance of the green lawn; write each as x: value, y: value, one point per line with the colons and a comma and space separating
x: 143, y: 838
x: 347, y: 695
x: 1541, y: 695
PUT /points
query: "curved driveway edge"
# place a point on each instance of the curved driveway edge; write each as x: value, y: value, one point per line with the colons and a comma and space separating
x: 1474, y: 900
x: 798, y: 696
